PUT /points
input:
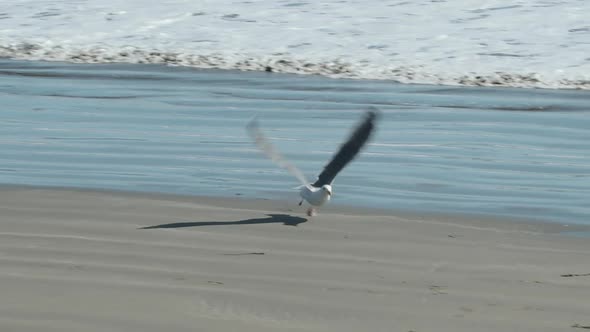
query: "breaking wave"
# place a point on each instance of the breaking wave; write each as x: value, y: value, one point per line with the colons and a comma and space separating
x: 285, y: 63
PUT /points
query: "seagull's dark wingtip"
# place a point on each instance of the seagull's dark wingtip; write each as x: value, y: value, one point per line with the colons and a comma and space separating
x: 373, y: 113
x: 348, y: 151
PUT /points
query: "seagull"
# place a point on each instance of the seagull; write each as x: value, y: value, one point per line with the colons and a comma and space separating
x: 319, y: 192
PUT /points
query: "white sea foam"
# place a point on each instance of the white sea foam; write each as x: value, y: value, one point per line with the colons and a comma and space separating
x: 534, y: 43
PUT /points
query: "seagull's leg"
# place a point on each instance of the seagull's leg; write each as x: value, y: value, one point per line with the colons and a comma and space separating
x: 311, y: 212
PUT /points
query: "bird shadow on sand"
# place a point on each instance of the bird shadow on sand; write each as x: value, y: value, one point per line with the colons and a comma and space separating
x: 284, y: 219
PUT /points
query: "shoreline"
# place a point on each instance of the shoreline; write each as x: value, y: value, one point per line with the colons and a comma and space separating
x: 483, y: 221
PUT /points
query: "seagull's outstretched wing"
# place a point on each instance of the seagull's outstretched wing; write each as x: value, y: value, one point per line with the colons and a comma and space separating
x: 269, y: 150
x: 350, y: 149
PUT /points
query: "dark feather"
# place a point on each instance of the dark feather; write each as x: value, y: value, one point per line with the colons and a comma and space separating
x: 350, y: 149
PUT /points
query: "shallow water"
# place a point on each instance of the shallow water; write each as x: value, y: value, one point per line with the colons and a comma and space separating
x: 504, y: 152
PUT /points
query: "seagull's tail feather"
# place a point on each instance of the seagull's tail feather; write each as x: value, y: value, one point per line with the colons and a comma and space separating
x: 268, y: 149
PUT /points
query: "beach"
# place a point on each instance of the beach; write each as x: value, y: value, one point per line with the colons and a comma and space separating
x: 74, y: 260
x: 132, y: 198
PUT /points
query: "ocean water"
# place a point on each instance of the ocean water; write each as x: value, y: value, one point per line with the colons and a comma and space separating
x: 526, y: 43
x: 154, y: 128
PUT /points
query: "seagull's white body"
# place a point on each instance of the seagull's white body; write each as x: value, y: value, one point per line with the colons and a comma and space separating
x: 316, y: 196
x: 319, y: 192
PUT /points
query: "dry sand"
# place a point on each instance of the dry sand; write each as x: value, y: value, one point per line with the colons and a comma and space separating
x: 75, y: 260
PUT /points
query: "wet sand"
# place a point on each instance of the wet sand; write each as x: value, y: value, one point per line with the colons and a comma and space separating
x: 78, y: 260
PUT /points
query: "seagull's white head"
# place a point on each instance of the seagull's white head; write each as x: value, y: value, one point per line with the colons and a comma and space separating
x: 327, y: 188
